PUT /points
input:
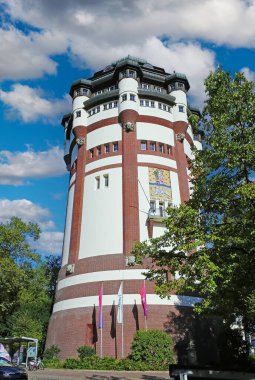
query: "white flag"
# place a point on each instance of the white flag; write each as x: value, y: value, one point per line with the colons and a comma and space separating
x: 120, y: 304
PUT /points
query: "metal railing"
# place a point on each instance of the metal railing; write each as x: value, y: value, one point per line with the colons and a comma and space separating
x: 157, y: 213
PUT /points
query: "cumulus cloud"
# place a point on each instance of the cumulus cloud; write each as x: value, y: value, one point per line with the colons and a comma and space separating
x: 28, y: 56
x: 96, y: 33
x: 50, y: 242
x: 213, y: 20
x: 249, y: 74
x: 27, y: 211
x: 17, y: 167
x: 29, y: 104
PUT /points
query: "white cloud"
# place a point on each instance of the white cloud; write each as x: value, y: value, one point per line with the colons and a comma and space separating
x: 27, y: 103
x: 250, y: 75
x: 95, y: 33
x: 27, y: 211
x: 16, y: 167
x: 28, y: 56
x: 50, y: 242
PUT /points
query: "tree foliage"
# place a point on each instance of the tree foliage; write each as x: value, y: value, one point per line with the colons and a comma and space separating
x: 209, y: 243
x: 26, y: 282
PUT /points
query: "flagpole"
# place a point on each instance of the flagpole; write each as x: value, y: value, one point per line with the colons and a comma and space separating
x: 101, y: 344
x: 101, y: 292
x: 102, y: 322
x: 122, y: 327
x: 145, y: 315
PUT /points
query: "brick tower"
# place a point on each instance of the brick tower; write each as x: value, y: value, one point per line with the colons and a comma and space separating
x: 127, y: 141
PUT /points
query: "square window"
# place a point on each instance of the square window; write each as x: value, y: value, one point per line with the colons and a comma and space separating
x: 152, y: 104
x: 99, y: 150
x: 105, y: 107
x: 90, y: 113
x: 91, y: 153
x: 168, y: 149
x: 132, y: 97
x: 78, y: 114
x: 115, y: 146
x: 94, y: 111
x: 110, y: 105
x: 131, y: 73
x: 107, y: 148
x: 181, y: 108
x: 169, y: 109
x: 164, y: 107
x: 152, y: 145
x: 97, y: 183
x: 147, y: 103
x: 143, y: 145
x: 78, y: 91
x: 98, y: 109
x: 84, y: 91
x: 115, y: 104
x: 160, y: 106
x: 124, y: 97
x: 161, y: 148
x: 152, y: 206
x: 141, y: 103
x: 106, y: 180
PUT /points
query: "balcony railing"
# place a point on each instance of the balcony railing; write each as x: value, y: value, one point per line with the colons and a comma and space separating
x: 157, y: 213
x: 152, y: 89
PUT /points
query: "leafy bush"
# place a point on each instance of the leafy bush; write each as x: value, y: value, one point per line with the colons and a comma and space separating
x: 85, y: 352
x: 53, y: 363
x: 51, y: 352
x: 233, y: 350
x: 153, y: 347
x: 108, y: 363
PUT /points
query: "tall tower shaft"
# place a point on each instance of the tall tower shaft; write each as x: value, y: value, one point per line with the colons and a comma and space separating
x: 127, y: 141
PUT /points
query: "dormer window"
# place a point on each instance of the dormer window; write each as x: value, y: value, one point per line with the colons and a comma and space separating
x: 131, y: 73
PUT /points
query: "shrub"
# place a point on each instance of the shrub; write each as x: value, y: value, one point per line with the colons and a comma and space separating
x: 153, y: 347
x: 85, y: 352
x: 51, y: 352
x: 108, y: 363
x: 53, y: 363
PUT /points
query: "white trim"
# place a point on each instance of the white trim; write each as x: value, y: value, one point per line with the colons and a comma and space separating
x: 108, y: 275
x: 103, y: 162
x: 128, y: 299
x: 147, y: 158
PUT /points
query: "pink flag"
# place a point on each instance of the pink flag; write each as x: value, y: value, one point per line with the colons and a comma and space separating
x: 100, y: 301
x: 144, y: 301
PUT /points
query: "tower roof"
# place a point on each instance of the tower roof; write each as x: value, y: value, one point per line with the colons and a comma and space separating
x: 146, y: 71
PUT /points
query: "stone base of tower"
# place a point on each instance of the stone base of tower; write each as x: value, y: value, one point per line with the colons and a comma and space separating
x: 73, y: 328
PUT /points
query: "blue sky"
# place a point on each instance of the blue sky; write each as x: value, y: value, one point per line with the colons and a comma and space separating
x: 47, y: 44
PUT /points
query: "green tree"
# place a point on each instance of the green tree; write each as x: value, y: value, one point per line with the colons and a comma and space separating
x: 27, y: 283
x: 34, y: 305
x: 17, y: 259
x: 209, y: 243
